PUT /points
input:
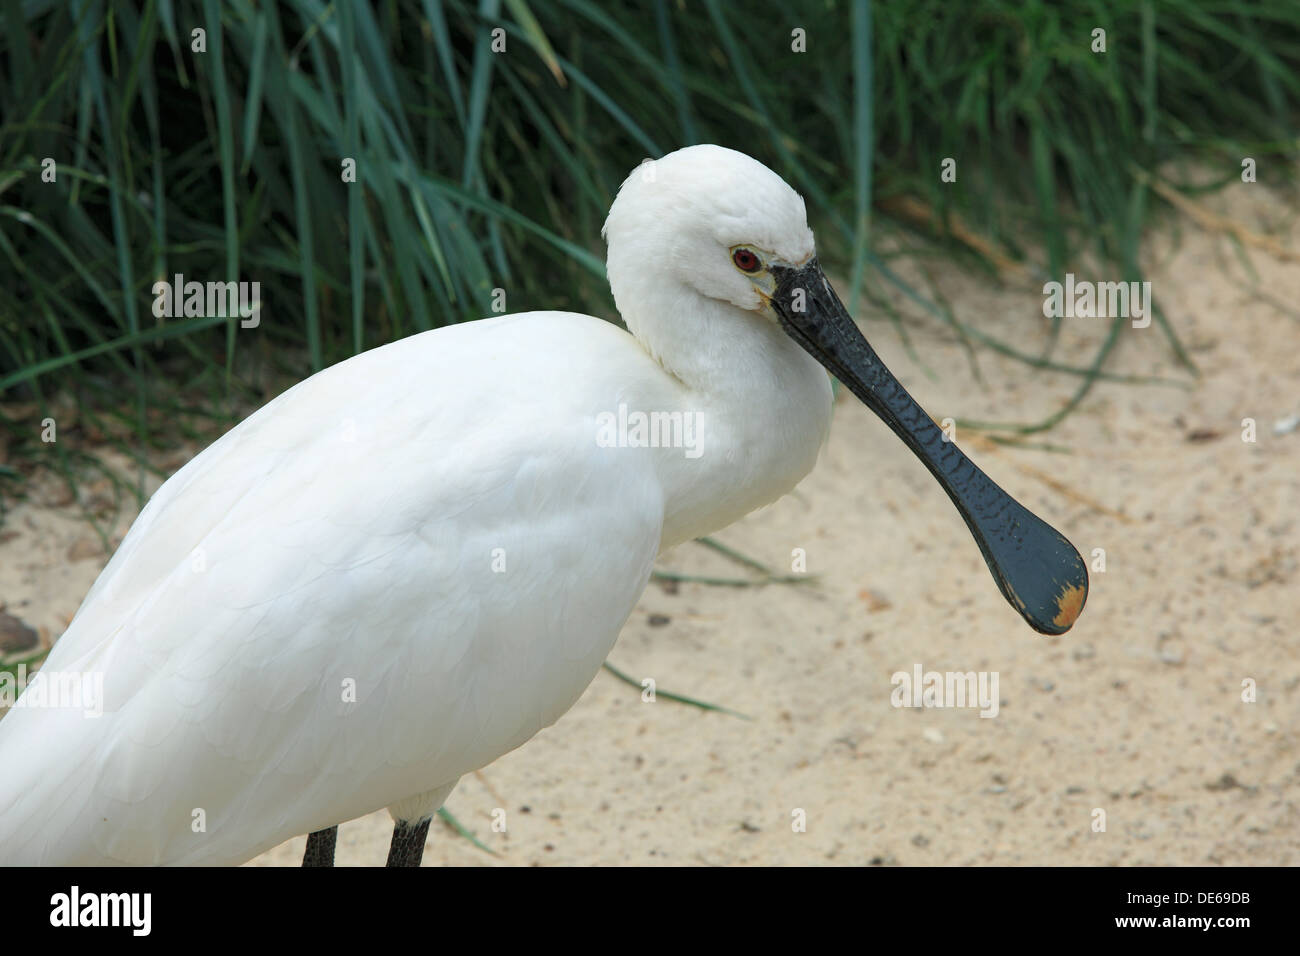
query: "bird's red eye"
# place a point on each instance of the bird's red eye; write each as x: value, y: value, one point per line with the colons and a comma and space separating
x: 745, y: 260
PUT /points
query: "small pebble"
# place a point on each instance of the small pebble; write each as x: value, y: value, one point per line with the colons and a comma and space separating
x: 15, y: 635
x: 1286, y: 425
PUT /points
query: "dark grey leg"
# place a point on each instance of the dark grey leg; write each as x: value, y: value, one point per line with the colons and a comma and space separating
x: 407, y: 848
x: 320, y: 847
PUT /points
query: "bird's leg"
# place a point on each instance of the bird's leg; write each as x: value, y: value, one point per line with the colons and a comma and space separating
x: 407, y: 848
x: 411, y: 818
x: 320, y: 847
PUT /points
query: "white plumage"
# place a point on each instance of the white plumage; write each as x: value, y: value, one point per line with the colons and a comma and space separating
x: 353, y: 531
x: 407, y: 565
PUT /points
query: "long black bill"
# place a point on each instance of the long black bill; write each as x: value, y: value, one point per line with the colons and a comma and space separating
x: 1038, y: 571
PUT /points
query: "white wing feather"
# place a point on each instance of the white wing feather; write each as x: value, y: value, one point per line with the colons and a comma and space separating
x: 349, y: 534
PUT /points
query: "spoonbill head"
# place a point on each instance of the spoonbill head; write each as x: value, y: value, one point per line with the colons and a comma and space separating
x: 408, y: 564
x: 720, y: 224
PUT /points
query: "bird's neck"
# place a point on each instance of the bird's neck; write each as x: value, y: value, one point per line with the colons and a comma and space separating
x: 761, y: 405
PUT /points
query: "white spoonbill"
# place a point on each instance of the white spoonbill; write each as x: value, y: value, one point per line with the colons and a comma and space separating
x: 410, y: 563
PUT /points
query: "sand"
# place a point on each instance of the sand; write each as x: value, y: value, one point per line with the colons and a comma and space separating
x: 1137, y: 713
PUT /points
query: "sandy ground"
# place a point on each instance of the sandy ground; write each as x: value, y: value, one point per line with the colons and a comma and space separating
x: 1137, y: 712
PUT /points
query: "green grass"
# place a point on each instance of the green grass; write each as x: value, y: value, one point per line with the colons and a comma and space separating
x: 479, y: 170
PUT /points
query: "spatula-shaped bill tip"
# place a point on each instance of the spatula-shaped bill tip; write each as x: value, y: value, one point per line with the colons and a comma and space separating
x: 1036, y: 569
